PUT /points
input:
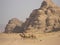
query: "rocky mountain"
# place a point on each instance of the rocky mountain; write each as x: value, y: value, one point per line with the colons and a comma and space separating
x: 44, y: 19
x: 41, y: 20
x: 13, y: 26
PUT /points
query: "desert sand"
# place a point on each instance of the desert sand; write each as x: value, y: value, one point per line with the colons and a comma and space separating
x: 42, y: 39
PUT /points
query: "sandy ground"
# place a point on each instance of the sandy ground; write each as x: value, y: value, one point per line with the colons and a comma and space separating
x: 43, y: 39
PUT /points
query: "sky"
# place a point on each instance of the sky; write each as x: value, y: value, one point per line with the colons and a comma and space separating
x: 20, y: 9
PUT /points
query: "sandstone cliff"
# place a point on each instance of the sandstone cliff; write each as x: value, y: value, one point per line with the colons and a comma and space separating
x: 41, y: 20
x: 44, y: 19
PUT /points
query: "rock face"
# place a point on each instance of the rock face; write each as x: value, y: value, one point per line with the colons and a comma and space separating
x: 13, y: 26
x: 44, y: 19
x: 41, y: 20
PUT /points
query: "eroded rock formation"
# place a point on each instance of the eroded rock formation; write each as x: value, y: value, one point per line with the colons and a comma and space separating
x: 13, y: 26
x: 44, y: 19
x: 41, y: 20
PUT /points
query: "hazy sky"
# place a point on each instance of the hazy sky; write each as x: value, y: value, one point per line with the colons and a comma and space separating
x: 20, y: 9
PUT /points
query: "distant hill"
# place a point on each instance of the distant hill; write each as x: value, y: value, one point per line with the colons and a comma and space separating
x: 2, y: 28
